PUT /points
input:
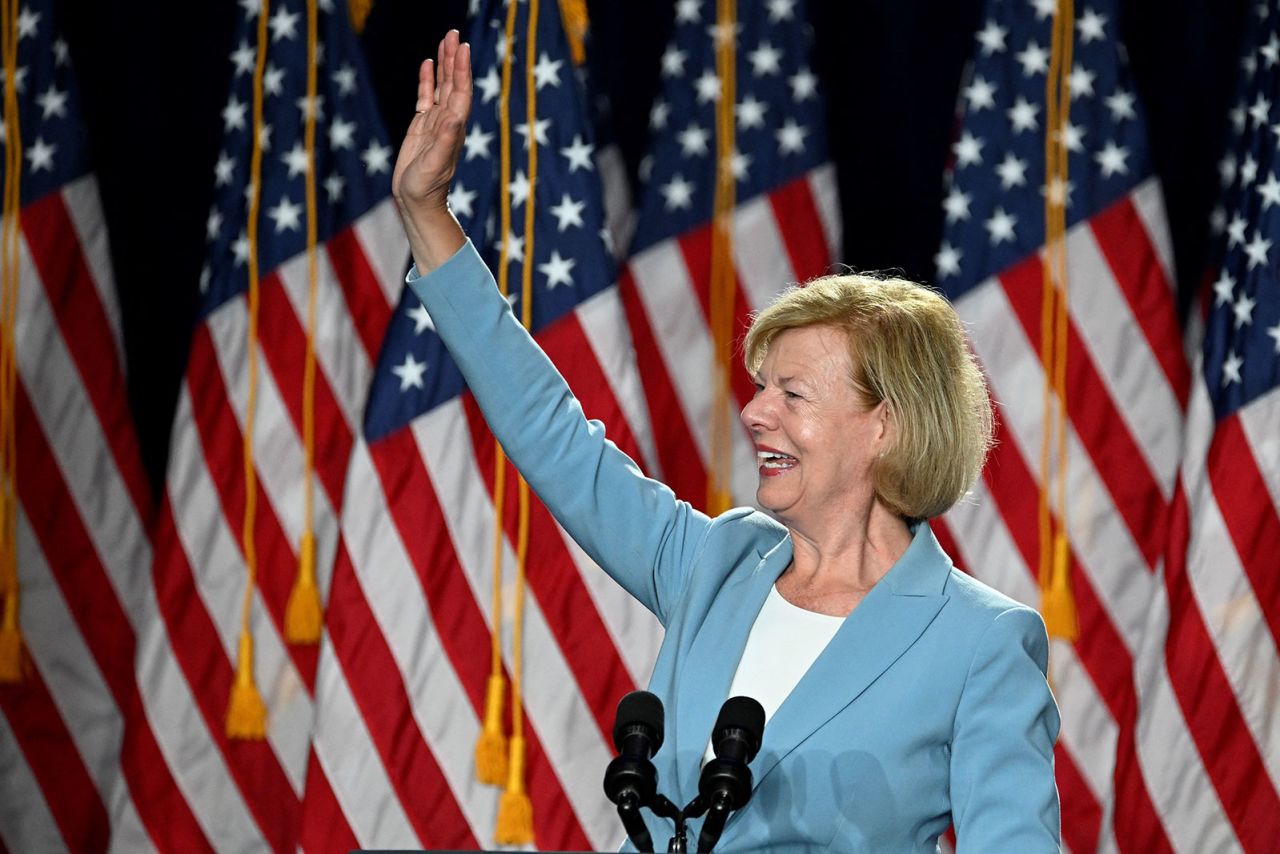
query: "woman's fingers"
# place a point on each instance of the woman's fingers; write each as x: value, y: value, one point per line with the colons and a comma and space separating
x: 462, y: 80
x: 448, y: 51
x: 426, y: 86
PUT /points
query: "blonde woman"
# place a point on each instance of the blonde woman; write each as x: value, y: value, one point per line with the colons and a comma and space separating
x: 902, y: 696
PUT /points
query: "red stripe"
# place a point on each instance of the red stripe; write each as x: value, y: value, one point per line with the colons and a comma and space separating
x: 324, y: 827
x: 1125, y: 243
x: 414, y: 506
x: 222, y: 444
x: 1221, y: 735
x: 387, y: 709
x: 1100, y: 647
x: 1117, y: 457
x: 1249, y: 514
x: 108, y: 633
x: 86, y: 332
x: 366, y: 303
x: 64, y: 781
x: 800, y: 226
x: 195, y: 644
x: 283, y: 351
x: 1081, y: 812
x: 682, y: 467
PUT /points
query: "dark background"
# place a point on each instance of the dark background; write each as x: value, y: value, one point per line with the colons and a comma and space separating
x: 154, y: 75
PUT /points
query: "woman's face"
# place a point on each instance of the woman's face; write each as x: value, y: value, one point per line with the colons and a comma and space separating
x: 815, y: 436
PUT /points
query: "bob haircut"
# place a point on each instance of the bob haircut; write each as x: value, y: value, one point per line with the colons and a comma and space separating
x: 907, y: 348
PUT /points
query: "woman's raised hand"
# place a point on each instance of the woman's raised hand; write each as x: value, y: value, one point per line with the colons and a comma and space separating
x: 429, y: 155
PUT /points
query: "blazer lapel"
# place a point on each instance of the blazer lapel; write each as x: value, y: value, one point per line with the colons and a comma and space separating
x: 883, y: 626
x: 713, y: 659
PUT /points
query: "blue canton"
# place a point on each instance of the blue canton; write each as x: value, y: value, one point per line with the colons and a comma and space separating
x: 995, y: 204
x: 52, y: 137
x: 352, y: 155
x: 1242, y: 336
x: 571, y: 252
x: 780, y: 125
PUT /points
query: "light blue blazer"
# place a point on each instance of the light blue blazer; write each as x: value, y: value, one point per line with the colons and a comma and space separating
x: 929, y: 707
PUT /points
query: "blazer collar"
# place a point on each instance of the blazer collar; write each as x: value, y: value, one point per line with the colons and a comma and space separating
x: 883, y: 626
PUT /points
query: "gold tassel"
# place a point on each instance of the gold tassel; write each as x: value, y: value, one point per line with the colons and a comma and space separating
x: 1057, y: 603
x: 573, y: 15
x: 359, y: 11
x: 10, y: 643
x: 246, y: 713
x: 515, y: 810
x: 491, y: 746
x: 303, y: 616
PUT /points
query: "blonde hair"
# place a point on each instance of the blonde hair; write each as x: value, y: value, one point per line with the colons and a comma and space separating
x: 908, y: 348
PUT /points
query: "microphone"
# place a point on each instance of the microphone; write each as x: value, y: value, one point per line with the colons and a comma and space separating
x: 631, y: 781
x: 725, y: 784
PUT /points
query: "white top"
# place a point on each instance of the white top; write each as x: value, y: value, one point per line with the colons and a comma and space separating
x: 784, y: 642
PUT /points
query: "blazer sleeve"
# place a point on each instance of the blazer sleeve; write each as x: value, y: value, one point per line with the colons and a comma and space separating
x: 1003, y: 795
x: 633, y: 526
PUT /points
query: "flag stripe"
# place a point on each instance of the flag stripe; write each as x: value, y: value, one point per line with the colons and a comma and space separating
x: 86, y: 332
x: 452, y: 605
x: 387, y: 712
x: 448, y: 724
x: 324, y: 827
x: 1081, y: 813
x: 218, y: 414
x: 802, y: 228
x: 27, y: 822
x: 50, y: 753
x: 681, y: 464
x: 1120, y: 231
x: 84, y: 210
x: 361, y: 290
x: 1230, y: 755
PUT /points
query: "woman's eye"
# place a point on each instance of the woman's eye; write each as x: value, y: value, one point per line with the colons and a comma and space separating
x: 791, y: 395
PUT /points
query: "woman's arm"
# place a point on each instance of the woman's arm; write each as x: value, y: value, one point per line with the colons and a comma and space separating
x: 631, y: 525
x: 1003, y: 795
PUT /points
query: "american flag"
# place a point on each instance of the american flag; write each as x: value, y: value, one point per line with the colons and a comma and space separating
x: 401, y: 689
x: 1126, y: 753
x: 1218, y: 624
x: 200, y: 789
x: 785, y: 227
x: 83, y: 502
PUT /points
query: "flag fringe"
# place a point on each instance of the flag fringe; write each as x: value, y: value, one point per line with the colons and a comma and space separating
x: 515, y: 810
x: 246, y: 713
x: 491, y: 746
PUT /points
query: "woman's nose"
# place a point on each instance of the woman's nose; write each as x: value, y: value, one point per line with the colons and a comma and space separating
x: 755, y: 415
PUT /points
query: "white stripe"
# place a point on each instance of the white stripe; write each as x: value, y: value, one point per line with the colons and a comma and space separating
x: 85, y: 211
x: 382, y: 239
x: 564, y: 723
x: 1259, y: 420
x: 1148, y: 201
x: 1224, y: 595
x: 70, y: 671
x: 1123, y: 355
x: 219, y: 572
x: 340, y: 354
x: 69, y: 421
x: 349, y: 762
x: 441, y: 708
x: 604, y: 324
x: 1100, y: 537
x: 25, y: 821
x: 1088, y: 730
x: 676, y: 318
x: 826, y: 196
x: 759, y: 254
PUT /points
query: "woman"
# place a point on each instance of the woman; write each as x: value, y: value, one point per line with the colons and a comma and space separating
x: 903, y: 696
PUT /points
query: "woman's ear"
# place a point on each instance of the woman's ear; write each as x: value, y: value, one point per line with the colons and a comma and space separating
x: 886, y: 432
